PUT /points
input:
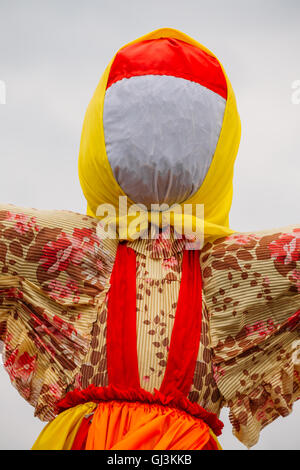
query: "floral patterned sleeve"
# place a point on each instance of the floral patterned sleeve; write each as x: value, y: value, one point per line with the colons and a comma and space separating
x: 54, y: 276
x: 252, y: 290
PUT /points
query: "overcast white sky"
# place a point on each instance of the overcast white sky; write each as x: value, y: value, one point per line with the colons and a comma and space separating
x: 52, y: 54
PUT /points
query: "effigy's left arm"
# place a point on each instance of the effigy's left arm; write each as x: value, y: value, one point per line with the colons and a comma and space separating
x: 252, y: 291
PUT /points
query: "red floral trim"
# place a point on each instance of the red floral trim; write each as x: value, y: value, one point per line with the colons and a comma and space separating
x: 175, y: 399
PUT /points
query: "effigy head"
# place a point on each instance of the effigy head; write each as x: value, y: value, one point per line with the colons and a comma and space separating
x: 162, y: 128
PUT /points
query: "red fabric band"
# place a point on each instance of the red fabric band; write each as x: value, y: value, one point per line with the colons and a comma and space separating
x: 110, y: 393
x: 81, y: 436
x: 122, y: 361
x: 172, y: 57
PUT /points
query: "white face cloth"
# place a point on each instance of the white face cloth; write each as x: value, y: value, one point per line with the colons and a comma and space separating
x: 161, y: 133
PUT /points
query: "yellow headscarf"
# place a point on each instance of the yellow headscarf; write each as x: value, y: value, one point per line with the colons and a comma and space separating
x: 96, y: 176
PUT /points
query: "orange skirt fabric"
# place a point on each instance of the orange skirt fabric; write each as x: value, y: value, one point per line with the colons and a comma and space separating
x: 142, y: 426
x: 118, y: 425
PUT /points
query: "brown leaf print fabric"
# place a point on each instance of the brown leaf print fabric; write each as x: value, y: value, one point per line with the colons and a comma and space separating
x: 158, y: 282
x: 252, y: 290
x: 54, y: 275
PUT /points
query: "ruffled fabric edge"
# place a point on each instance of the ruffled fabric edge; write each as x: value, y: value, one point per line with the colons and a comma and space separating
x: 266, y: 394
x: 109, y: 393
x: 250, y: 413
